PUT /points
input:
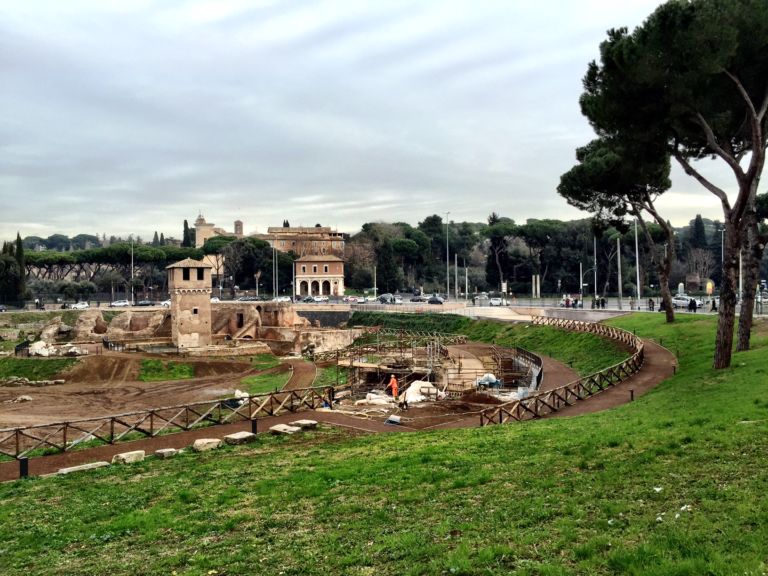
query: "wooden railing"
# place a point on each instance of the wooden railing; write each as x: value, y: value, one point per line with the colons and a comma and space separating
x: 544, y: 403
x: 66, y: 436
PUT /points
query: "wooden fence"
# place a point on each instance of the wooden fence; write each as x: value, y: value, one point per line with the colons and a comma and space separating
x: 66, y: 436
x: 543, y: 403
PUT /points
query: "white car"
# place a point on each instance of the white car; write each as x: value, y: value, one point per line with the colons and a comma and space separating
x: 119, y: 303
x: 166, y: 303
x: 683, y: 301
x: 80, y: 306
x: 495, y: 302
x: 214, y: 300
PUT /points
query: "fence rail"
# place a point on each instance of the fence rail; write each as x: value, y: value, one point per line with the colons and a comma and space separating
x: 65, y: 436
x: 543, y: 403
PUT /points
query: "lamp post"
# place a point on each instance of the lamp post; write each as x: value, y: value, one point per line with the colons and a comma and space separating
x: 637, y: 266
x: 447, y: 262
x: 582, y: 283
x: 594, y: 248
x: 132, y: 299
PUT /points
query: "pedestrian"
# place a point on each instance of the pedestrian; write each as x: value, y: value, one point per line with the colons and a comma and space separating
x: 650, y: 304
x: 602, y: 302
x: 714, y: 306
x: 393, y: 386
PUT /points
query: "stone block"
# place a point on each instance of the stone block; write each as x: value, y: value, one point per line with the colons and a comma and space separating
x: 284, y: 429
x: 128, y: 457
x: 166, y: 452
x: 81, y: 467
x: 240, y: 438
x: 205, y: 444
x: 305, y: 424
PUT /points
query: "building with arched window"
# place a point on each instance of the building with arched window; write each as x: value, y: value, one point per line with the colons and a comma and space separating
x: 319, y: 275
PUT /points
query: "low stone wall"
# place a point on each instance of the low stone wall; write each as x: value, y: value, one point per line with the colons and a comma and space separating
x: 323, y: 317
x: 327, y: 340
x: 584, y: 314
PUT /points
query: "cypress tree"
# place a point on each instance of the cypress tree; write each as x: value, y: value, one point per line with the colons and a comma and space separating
x: 22, y: 265
x: 155, y: 240
x: 162, y: 239
x: 186, y: 239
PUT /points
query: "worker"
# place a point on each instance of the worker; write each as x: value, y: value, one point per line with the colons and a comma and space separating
x: 393, y: 384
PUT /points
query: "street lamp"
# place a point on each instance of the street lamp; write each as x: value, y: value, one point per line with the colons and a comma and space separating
x: 447, y: 263
x: 637, y: 266
x: 582, y: 283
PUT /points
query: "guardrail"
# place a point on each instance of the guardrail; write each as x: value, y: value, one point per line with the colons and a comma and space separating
x: 543, y: 403
x: 65, y: 436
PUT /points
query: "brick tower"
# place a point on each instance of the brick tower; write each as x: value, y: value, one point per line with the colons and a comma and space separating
x: 189, y: 283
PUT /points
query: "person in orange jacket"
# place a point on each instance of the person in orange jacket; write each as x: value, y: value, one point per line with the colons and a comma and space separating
x: 393, y: 385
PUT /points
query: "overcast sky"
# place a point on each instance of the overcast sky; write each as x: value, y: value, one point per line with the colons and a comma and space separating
x: 131, y: 116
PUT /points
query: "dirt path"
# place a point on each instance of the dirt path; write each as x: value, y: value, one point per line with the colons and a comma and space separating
x: 52, y: 463
x: 303, y: 374
x: 659, y: 365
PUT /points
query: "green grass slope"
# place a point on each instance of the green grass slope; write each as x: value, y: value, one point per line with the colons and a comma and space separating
x: 674, y: 483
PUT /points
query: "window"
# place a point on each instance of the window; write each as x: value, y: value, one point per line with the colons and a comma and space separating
x: 325, y: 268
x: 303, y: 269
x: 194, y: 310
x: 314, y: 269
x: 240, y: 320
x: 201, y: 273
x: 185, y: 273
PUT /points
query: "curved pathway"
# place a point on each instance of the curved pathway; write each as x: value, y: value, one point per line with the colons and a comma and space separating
x: 659, y: 364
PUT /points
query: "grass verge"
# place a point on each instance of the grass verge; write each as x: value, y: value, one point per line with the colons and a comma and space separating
x: 155, y: 370
x: 671, y: 484
x: 265, y: 383
x: 34, y: 368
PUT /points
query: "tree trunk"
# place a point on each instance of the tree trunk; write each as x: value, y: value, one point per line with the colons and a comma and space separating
x: 753, y: 254
x: 727, y: 316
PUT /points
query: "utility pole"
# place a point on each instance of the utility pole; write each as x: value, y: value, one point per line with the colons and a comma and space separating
x: 594, y: 244
x: 447, y: 262
x: 637, y: 266
x: 456, y: 275
x: 132, y: 298
x: 618, y: 263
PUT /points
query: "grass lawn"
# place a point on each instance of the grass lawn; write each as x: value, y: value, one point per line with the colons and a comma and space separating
x: 155, y: 370
x: 264, y: 361
x: 265, y: 383
x: 674, y: 483
x: 331, y: 376
x: 34, y: 368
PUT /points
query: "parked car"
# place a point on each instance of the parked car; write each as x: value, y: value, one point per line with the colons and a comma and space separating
x: 495, y: 302
x: 119, y: 303
x: 3, y: 308
x: 386, y: 299
x: 308, y: 299
x: 145, y: 303
x: 79, y: 306
x: 683, y: 301
x: 435, y: 300
x: 166, y: 303
x: 215, y: 299
x: 419, y: 299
